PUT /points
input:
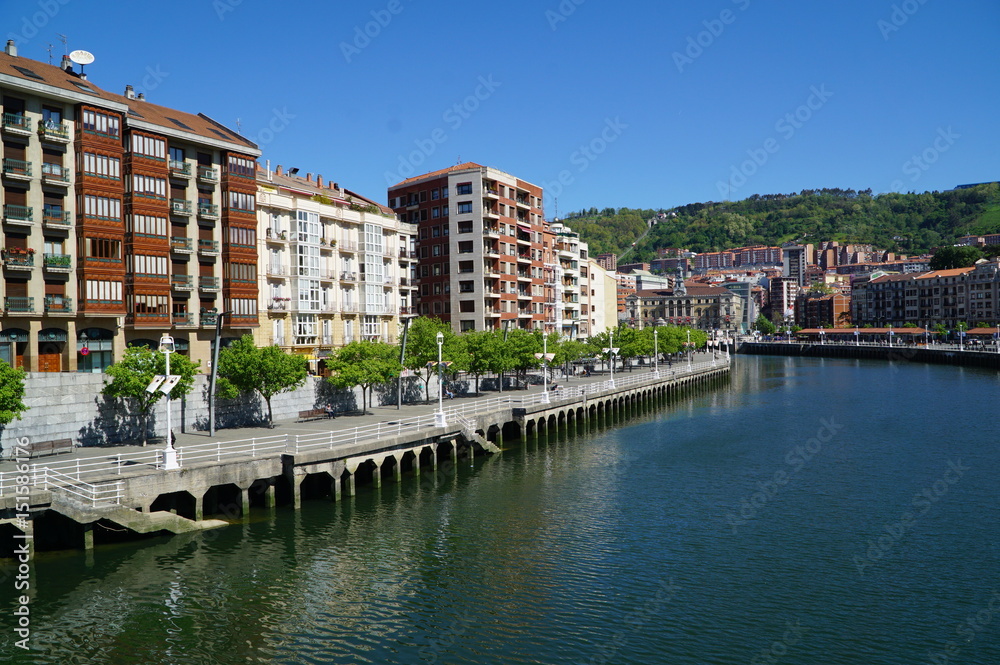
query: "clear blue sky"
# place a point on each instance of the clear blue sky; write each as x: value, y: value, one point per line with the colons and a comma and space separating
x: 662, y: 119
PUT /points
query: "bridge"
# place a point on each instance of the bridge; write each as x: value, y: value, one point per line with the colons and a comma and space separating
x: 65, y: 503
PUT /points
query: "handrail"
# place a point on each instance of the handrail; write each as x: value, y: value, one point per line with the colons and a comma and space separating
x: 110, y: 492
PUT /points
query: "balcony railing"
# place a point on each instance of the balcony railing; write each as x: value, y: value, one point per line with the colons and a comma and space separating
x: 180, y: 207
x: 279, y: 305
x: 207, y: 174
x: 208, y: 247
x: 208, y: 210
x: 208, y: 318
x: 58, y: 262
x: 182, y: 319
x: 208, y: 283
x: 17, y: 123
x: 55, y: 174
x: 182, y: 282
x: 18, y: 259
x: 56, y: 218
x: 58, y: 304
x: 181, y: 245
x: 348, y: 276
x: 17, y: 169
x: 21, y: 304
x: 180, y: 169
x: 54, y: 131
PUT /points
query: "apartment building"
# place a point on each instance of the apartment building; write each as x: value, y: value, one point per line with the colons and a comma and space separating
x: 481, y: 248
x: 122, y: 220
x: 794, y: 259
x: 336, y: 266
x: 701, y: 306
x: 565, y: 268
x: 608, y: 262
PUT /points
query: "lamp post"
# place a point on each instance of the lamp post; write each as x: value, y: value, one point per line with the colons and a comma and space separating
x: 890, y: 335
x: 169, y: 454
x: 611, y: 351
x: 215, y: 372
x: 439, y: 417
x: 545, y: 357
x: 857, y: 337
x: 656, y: 347
x: 689, y: 349
x: 998, y: 337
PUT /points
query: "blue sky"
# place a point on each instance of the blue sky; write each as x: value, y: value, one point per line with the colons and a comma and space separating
x: 637, y: 104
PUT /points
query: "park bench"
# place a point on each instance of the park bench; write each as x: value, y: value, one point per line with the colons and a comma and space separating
x: 314, y: 414
x: 42, y: 448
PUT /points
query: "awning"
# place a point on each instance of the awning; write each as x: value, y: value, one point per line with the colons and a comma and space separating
x: 524, y: 227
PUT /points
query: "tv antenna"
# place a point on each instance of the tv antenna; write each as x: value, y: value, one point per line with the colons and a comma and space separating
x: 239, y: 124
x: 65, y: 42
x: 49, y: 49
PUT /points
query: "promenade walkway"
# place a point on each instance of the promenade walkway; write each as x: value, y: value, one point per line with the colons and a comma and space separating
x: 284, y: 436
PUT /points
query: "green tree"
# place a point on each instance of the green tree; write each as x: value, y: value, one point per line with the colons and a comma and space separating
x: 480, y: 348
x: 246, y: 368
x: 422, y: 350
x: 11, y: 393
x: 763, y: 326
x: 518, y: 352
x: 365, y: 364
x: 133, y: 373
x: 950, y: 257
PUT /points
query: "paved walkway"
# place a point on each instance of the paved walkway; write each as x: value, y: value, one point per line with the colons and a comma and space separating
x: 375, y: 414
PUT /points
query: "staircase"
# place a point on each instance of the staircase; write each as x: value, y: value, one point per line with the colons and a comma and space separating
x: 470, y: 433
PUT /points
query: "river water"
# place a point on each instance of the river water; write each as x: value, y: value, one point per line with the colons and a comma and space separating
x: 812, y: 511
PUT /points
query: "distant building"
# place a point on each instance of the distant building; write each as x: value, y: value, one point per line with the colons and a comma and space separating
x: 608, y: 261
x: 704, y: 307
x: 632, y: 267
x: 709, y: 260
x: 794, y: 259
x: 817, y: 309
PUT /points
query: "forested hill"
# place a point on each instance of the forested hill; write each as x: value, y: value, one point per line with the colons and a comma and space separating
x: 905, y: 223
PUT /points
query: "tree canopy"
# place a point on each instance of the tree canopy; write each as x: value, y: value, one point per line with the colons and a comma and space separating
x: 950, y: 257
x: 11, y: 393
x: 365, y: 364
x: 246, y: 368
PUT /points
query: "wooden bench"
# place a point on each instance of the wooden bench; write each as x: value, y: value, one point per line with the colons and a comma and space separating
x: 314, y: 414
x: 54, y: 447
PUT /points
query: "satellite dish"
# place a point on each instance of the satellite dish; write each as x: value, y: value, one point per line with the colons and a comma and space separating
x: 82, y: 57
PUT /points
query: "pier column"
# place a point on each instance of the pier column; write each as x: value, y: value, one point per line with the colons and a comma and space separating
x: 416, y: 463
x: 397, y: 470
x: 244, y: 502
x: 434, y: 457
x: 334, y: 488
x: 377, y: 476
x: 88, y: 536
x: 269, y: 494
x: 454, y: 454
x: 199, y: 506
x: 351, y: 485
x: 499, y: 441
x: 297, y: 490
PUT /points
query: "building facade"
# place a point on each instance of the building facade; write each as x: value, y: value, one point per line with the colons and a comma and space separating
x: 481, y: 248
x: 336, y: 267
x: 122, y: 220
x: 709, y: 308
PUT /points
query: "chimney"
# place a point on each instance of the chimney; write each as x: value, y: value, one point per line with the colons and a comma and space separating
x: 309, y: 177
x: 129, y: 92
x: 141, y: 96
x: 66, y: 65
x: 11, y: 49
x: 319, y: 180
x: 277, y: 170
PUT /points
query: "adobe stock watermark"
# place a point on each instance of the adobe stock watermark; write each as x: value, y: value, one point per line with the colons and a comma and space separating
x: 562, y: 12
x: 786, y: 127
x: 364, y: 35
x: 279, y: 122
x: 922, y: 502
x: 453, y: 117
x: 795, y: 460
x: 154, y: 77
x: 967, y: 631
x: 634, y: 623
x: 899, y: 17
x: 22, y: 553
x: 772, y: 653
x: 920, y: 163
x: 586, y: 154
x: 699, y: 43
x: 35, y: 21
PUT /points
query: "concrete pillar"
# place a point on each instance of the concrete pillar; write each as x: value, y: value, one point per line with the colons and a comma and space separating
x: 245, y: 502
x: 88, y: 536
x: 335, y: 488
x: 499, y: 440
x: 397, y: 470
x: 351, y: 488
x: 454, y: 453
x: 199, y: 507
x: 269, y: 495
x: 297, y: 491
x: 377, y: 477
x: 416, y: 463
x: 434, y: 458
x: 70, y: 355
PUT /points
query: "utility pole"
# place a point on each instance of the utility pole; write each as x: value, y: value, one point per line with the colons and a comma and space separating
x: 215, y: 371
x: 402, y: 356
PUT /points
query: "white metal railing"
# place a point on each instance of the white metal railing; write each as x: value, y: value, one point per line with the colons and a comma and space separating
x: 93, y: 494
x: 71, y: 473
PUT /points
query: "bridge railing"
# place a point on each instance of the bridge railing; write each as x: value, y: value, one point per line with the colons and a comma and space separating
x: 91, y: 494
x: 215, y: 452
x: 333, y: 438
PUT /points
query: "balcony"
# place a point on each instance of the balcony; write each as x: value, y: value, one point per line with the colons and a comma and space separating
x: 53, y: 132
x: 179, y: 169
x: 491, y: 193
x: 209, y: 317
x: 182, y: 319
x: 56, y: 218
x: 19, y: 304
x: 522, y: 202
x: 210, y: 284
x: 208, y: 174
x: 348, y: 246
x: 180, y: 207
x: 181, y: 245
x: 208, y: 211
x: 524, y: 257
x: 276, y: 237
x: 208, y: 247
x: 348, y: 276
x: 17, y: 123
x: 490, y: 213
x: 279, y: 304
x: 182, y: 282
x: 58, y: 263
x: 18, y: 259
x: 524, y: 295
x: 55, y: 174
x: 275, y: 270
x: 407, y: 254
x: 58, y: 305
x: 491, y: 231
x: 16, y: 169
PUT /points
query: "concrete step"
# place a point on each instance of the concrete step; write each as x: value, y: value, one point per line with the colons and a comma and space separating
x: 129, y: 518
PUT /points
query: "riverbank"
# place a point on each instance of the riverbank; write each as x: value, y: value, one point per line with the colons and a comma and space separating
x: 942, y: 355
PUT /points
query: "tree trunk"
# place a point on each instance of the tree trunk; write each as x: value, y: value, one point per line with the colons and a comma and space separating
x: 270, y: 418
x: 427, y: 389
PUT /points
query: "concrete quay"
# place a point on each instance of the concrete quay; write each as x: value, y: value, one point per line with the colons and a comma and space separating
x: 940, y: 354
x: 99, y: 494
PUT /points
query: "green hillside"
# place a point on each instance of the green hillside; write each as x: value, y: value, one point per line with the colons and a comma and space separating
x: 905, y: 223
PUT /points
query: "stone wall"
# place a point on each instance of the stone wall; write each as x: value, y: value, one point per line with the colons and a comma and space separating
x: 70, y: 406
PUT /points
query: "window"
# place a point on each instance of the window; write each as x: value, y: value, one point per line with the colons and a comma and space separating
x: 101, y: 206
x: 176, y: 155
x: 148, y: 146
x: 435, y: 213
x: 436, y: 232
x: 241, y: 166
x: 444, y: 211
x: 101, y: 123
x: 242, y: 201
x: 243, y: 307
x: 144, y: 185
x: 444, y: 193
x: 468, y: 326
x: 465, y: 266
x: 464, y: 188
x: 103, y: 248
x: 465, y: 227
x: 465, y: 207
x: 423, y: 196
x: 51, y: 117
x: 102, y: 166
x: 468, y: 286
x: 242, y: 237
x: 143, y: 264
x: 242, y: 272
x: 436, y: 250
x: 435, y: 195
x: 147, y: 225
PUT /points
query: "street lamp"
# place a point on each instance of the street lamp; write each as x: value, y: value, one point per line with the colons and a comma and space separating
x: 890, y: 335
x: 169, y: 454
x: 822, y: 336
x: 439, y: 417
x: 545, y: 357
x: 611, y: 351
x: 689, y: 349
x: 857, y: 337
x: 656, y: 346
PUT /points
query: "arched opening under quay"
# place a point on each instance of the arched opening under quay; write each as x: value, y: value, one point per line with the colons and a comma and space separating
x: 223, y: 502
x: 317, y: 486
x: 182, y: 504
